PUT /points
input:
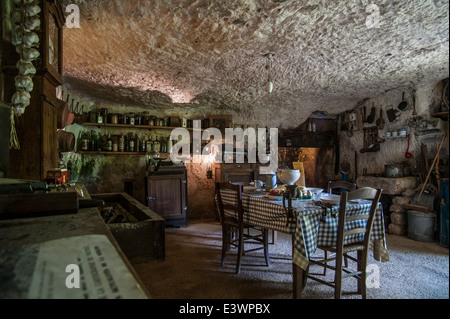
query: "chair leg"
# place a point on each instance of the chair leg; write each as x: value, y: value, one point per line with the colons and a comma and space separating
x: 362, y: 265
x: 338, y: 279
x: 326, y: 257
x: 240, y: 250
x: 225, y: 245
x: 266, y: 246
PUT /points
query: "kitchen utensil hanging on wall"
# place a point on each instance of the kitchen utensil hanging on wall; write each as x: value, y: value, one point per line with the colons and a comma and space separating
x: 392, y: 114
x: 408, y: 154
x: 371, y: 116
x: 414, y: 103
x: 403, y: 105
x: 371, y: 141
x: 380, y: 121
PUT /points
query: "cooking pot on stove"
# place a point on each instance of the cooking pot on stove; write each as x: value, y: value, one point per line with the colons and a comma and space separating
x: 394, y: 171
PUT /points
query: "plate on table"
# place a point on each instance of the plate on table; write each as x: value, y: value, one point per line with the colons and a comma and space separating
x: 254, y: 191
x: 333, y: 200
x: 274, y: 197
x: 249, y: 189
x: 303, y: 199
x: 255, y: 194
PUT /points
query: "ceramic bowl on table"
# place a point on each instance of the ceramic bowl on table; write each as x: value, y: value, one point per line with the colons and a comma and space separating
x: 249, y: 189
x: 315, y: 192
x: 288, y: 176
x: 333, y: 200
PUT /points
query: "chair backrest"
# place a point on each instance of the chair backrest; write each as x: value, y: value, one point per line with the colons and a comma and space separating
x: 367, y: 193
x: 348, y: 186
x: 237, y: 209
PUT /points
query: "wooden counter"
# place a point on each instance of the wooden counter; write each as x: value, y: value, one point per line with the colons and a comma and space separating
x: 32, y: 248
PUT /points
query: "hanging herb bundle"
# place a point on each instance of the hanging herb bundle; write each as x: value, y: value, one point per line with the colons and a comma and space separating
x: 25, y: 16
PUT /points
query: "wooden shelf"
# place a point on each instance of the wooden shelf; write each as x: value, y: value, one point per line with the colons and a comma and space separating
x: 133, y: 126
x: 163, y: 155
x: 110, y: 153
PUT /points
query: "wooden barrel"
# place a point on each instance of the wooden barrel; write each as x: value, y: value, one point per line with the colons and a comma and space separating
x: 65, y: 117
x: 66, y: 141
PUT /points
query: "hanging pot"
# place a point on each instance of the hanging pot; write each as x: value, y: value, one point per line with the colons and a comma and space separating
x: 403, y: 105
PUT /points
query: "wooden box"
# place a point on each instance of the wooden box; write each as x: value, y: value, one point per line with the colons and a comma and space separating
x: 142, y: 241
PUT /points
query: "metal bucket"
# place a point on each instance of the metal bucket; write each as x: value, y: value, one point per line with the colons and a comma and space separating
x: 421, y: 226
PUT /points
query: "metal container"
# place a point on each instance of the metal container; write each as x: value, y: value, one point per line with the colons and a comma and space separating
x: 394, y: 171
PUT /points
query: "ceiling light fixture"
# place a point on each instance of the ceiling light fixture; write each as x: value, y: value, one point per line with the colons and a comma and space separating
x: 269, y: 83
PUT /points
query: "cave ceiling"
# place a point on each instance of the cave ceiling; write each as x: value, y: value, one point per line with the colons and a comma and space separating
x: 214, y: 57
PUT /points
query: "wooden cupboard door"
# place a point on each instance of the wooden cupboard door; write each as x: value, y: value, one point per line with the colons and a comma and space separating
x: 166, y: 196
x: 235, y: 176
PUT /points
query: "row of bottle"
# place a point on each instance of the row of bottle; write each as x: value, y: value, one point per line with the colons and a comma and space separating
x: 131, y: 142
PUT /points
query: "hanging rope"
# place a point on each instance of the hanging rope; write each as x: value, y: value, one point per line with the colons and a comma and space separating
x: 13, y: 139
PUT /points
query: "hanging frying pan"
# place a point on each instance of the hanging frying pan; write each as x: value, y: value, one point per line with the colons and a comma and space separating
x: 403, y: 105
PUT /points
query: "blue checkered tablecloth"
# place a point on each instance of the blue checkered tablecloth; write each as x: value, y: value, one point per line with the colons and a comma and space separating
x: 308, y: 229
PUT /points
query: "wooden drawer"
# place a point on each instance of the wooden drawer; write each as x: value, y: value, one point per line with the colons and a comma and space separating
x: 234, y: 166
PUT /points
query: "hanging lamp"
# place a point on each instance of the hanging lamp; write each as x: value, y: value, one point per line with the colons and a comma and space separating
x: 269, y: 83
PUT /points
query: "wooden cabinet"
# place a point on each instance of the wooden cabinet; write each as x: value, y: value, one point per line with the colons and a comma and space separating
x: 166, y: 195
x: 37, y: 127
x: 237, y: 173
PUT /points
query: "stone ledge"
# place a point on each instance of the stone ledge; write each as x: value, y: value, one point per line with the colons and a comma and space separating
x: 390, y: 186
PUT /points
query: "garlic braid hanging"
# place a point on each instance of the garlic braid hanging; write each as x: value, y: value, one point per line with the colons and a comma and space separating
x: 26, y: 19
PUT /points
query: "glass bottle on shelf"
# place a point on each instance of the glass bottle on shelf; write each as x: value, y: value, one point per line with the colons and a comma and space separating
x: 126, y: 143
x: 99, y: 117
x: 109, y: 143
x: 138, y: 119
x: 143, y: 144
x: 150, y: 144
x: 169, y: 145
x: 115, y: 143
x: 131, y: 142
x: 121, y: 143
x: 99, y: 142
x: 93, y: 141
x: 84, y: 141
x: 163, y: 145
x: 137, y: 143
x: 157, y: 145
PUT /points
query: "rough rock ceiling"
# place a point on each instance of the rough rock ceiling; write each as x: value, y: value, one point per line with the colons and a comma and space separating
x: 208, y: 56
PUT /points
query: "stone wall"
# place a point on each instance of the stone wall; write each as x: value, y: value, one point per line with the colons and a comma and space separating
x: 424, y: 129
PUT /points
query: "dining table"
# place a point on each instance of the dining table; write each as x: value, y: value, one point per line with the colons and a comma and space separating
x: 312, y: 225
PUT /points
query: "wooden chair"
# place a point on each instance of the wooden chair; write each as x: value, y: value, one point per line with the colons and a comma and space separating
x: 340, y: 185
x: 342, y: 250
x: 235, y: 225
